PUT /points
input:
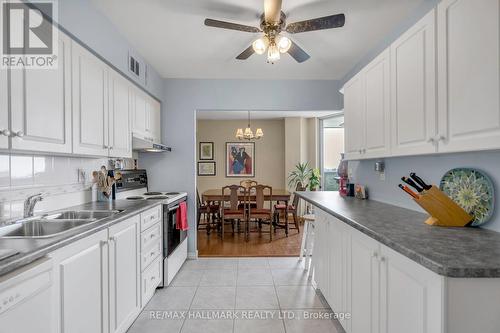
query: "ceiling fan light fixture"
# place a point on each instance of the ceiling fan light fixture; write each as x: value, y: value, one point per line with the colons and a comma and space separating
x: 273, y: 53
x: 284, y: 44
x: 260, y: 45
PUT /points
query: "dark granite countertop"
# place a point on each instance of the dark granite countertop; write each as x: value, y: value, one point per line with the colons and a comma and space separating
x: 31, y: 249
x: 451, y: 252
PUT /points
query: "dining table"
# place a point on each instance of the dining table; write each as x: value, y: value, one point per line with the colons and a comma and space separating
x: 282, y: 195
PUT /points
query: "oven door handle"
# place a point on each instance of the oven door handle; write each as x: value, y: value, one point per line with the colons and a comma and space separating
x: 173, y: 208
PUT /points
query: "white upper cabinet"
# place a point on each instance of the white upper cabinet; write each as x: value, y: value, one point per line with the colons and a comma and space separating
x: 146, y: 117
x: 377, y: 107
x: 413, y: 92
x: 4, y: 110
x: 468, y: 75
x: 120, y: 135
x: 90, y: 103
x: 41, y: 105
x: 139, y: 113
x: 154, y: 117
x: 354, y: 117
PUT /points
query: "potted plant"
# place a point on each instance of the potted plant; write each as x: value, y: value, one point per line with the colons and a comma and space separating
x: 299, y: 176
x: 314, y: 179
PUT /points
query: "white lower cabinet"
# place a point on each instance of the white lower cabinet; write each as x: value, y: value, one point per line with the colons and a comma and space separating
x: 411, y: 296
x: 81, y: 273
x: 101, y: 286
x: 124, y: 273
x: 383, y: 291
x: 363, y: 280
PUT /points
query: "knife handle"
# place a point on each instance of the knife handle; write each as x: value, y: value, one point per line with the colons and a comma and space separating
x: 420, y: 182
x: 412, y: 184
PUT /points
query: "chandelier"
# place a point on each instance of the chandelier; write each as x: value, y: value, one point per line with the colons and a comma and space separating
x: 248, y: 133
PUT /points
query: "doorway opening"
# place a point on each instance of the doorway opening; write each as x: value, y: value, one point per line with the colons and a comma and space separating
x: 331, y: 138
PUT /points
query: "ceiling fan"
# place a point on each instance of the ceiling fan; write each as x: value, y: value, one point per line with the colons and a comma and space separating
x: 272, y: 23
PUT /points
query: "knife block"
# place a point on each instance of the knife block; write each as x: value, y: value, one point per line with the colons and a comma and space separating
x: 443, y: 211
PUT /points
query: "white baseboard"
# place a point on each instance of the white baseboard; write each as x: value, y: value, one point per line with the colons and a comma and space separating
x: 192, y: 255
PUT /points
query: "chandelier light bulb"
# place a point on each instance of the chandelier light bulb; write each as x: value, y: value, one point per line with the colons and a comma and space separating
x: 260, y: 45
x: 273, y: 53
x: 284, y: 44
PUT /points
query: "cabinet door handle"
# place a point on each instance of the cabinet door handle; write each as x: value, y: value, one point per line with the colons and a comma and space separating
x: 431, y: 140
x: 382, y: 259
x: 19, y: 134
x: 440, y: 138
x: 112, y: 239
x: 374, y: 254
x: 103, y: 243
x: 5, y: 132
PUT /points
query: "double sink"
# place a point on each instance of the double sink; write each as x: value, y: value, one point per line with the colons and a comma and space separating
x: 51, y: 225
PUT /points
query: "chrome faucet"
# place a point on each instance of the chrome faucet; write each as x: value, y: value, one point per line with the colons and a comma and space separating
x: 30, y: 202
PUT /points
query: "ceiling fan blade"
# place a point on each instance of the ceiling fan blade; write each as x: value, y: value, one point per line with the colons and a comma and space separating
x: 272, y: 11
x: 297, y: 53
x: 231, y: 26
x: 246, y: 54
x: 320, y: 23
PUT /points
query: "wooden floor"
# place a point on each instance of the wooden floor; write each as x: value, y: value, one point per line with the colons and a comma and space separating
x: 257, y: 246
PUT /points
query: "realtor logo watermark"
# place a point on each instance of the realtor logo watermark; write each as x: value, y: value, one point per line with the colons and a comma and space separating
x: 29, y: 40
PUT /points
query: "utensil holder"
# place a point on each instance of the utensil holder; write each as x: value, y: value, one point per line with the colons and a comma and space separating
x: 443, y: 211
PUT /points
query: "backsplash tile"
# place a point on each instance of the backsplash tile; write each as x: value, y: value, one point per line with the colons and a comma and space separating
x: 55, y: 176
x: 21, y: 170
x: 4, y: 171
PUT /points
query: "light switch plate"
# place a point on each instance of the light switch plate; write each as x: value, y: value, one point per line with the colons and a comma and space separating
x: 382, y: 176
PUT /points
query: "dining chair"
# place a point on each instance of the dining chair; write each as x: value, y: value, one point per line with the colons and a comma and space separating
x: 248, y: 182
x: 230, y: 210
x: 209, y: 211
x: 260, y: 213
x: 281, y: 207
x: 202, y: 210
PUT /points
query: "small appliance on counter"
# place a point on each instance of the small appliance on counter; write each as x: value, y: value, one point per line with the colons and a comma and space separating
x: 443, y: 211
x: 133, y: 185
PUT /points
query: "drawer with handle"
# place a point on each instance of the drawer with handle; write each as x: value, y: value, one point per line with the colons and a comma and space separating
x: 151, y: 278
x: 150, y: 217
x: 150, y: 254
x: 150, y: 236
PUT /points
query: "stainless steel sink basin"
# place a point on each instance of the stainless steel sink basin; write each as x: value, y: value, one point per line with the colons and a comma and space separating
x: 41, y: 228
x: 54, y: 224
x: 81, y: 214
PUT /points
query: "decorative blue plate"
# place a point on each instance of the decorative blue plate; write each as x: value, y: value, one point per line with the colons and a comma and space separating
x: 472, y: 190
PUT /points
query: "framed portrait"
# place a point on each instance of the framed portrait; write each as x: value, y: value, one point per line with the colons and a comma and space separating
x: 206, y: 169
x: 206, y: 151
x: 240, y: 159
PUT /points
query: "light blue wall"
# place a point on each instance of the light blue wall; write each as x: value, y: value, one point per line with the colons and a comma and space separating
x: 83, y: 20
x: 430, y: 168
x: 176, y: 170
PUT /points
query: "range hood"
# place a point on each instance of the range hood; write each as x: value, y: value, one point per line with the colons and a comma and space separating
x: 145, y: 146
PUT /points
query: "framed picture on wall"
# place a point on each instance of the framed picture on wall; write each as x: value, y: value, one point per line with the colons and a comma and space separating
x: 206, y: 151
x: 206, y: 169
x: 240, y: 159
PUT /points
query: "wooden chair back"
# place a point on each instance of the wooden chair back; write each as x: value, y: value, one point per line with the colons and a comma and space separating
x: 230, y: 195
x: 247, y: 183
x: 296, y: 198
x: 198, y: 199
x: 261, y: 191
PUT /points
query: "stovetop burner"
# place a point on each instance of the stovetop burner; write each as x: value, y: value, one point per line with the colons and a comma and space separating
x: 158, y: 197
x: 152, y: 193
x: 172, y: 193
x: 135, y: 198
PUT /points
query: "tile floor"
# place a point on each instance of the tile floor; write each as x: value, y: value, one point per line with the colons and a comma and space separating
x: 237, y: 295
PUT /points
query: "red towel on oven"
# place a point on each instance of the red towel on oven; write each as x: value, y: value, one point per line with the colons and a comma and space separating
x: 182, y: 221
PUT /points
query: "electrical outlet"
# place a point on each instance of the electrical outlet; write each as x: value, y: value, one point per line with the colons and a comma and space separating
x: 382, y: 176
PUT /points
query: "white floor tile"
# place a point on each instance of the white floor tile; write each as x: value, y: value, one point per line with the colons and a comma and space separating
x: 298, y: 297
x: 303, y: 323
x: 290, y: 277
x: 214, y: 298
x: 262, y: 297
x: 221, y: 278
x: 255, y: 277
x: 172, y: 298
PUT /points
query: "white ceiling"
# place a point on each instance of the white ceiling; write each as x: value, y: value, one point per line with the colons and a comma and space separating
x: 171, y: 36
x: 236, y: 115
